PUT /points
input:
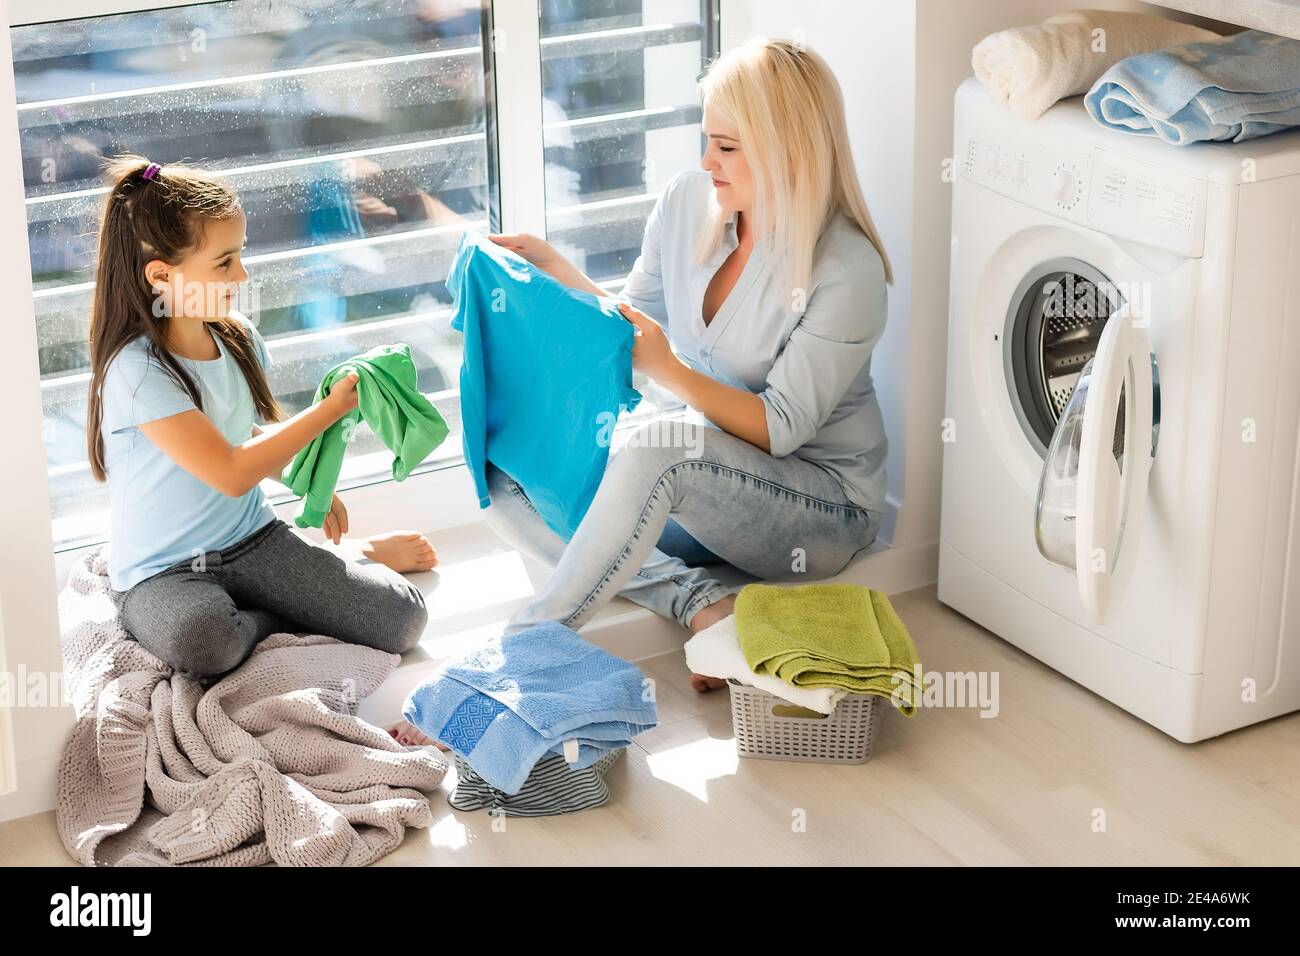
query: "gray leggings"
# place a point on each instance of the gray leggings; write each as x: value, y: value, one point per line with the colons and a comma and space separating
x: 203, y: 618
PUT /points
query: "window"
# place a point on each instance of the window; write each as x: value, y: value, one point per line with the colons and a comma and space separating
x: 361, y: 136
x: 620, y: 115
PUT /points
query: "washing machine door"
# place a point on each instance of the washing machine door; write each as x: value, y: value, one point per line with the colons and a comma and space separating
x: 1093, y: 489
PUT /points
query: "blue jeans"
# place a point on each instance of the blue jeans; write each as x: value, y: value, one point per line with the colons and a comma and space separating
x: 711, y: 497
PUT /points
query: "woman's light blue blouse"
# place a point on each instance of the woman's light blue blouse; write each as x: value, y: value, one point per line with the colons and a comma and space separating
x: 812, y: 370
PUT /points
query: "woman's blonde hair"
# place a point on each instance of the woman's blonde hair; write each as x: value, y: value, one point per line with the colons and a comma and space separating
x: 788, y: 110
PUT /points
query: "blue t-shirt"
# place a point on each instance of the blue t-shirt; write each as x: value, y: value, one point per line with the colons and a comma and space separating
x: 546, y: 372
x: 162, y: 514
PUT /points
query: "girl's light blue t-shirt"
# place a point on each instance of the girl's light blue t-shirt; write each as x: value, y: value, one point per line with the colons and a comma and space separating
x: 161, y: 514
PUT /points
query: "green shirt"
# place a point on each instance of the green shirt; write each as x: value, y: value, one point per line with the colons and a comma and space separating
x: 390, y: 401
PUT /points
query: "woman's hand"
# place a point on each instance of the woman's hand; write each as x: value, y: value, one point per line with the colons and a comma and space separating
x: 734, y: 410
x: 536, y: 250
x: 336, y: 522
x: 342, y: 397
x: 651, y: 351
x: 547, y: 258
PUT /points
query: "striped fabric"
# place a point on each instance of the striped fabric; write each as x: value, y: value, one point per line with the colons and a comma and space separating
x: 551, y: 789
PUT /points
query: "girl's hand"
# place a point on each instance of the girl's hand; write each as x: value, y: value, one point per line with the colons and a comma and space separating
x: 336, y: 522
x: 651, y: 351
x: 536, y: 250
x: 342, y: 397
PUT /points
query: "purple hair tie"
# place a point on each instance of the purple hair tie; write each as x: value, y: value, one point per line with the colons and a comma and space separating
x: 152, y: 170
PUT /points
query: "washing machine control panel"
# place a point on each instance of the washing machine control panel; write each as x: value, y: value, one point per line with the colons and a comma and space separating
x: 1139, y: 201
x: 1095, y: 187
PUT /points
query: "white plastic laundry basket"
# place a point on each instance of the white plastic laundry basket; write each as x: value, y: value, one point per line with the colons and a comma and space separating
x: 846, y: 736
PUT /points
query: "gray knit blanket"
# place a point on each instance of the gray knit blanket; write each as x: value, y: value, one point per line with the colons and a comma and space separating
x: 269, y: 764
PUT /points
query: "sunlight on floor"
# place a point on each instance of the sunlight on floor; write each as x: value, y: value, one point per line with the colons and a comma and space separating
x: 466, y: 586
x: 461, y: 642
x: 449, y: 834
x: 691, y: 766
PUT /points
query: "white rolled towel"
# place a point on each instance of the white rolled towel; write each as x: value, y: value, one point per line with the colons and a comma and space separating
x: 1030, y: 68
x: 715, y: 652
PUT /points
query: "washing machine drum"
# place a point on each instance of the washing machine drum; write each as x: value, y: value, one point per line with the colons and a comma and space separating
x: 1054, y: 324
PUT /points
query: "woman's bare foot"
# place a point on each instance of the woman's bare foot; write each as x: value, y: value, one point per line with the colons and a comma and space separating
x: 403, y: 551
x: 702, y: 684
x: 409, y: 735
x: 707, y: 617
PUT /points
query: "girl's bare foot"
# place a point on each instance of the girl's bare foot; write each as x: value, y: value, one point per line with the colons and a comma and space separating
x: 409, y: 735
x: 707, y: 617
x: 403, y: 551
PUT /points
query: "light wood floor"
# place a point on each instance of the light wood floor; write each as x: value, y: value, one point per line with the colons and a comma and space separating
x: 944, y: 787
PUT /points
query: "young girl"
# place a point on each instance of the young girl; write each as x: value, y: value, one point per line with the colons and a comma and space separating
x: 200, y: 567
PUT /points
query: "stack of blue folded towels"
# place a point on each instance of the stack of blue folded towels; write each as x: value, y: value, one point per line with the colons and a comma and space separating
x: 537, y: 696
x: 1233, y: 88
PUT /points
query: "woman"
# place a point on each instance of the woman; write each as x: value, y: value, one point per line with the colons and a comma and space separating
x: 757, y: 299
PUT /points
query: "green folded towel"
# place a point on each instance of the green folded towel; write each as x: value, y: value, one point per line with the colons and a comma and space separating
x: 829, y: 635
x: 390, y: 401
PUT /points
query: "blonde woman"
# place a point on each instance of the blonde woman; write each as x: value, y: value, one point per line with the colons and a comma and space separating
x: 757, y: 299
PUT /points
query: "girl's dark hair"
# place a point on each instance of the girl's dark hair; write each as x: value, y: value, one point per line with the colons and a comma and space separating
x: 145, y: 218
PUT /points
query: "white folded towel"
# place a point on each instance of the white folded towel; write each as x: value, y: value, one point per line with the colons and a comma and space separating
x: 715, y: 652
x: 1030, y: 68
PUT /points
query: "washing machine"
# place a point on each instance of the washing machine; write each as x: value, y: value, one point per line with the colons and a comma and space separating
x: 1120, y: 494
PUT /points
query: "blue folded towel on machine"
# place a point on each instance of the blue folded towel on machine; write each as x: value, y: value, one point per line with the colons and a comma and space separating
x: 521, y: 696
x: 1235, y: 88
